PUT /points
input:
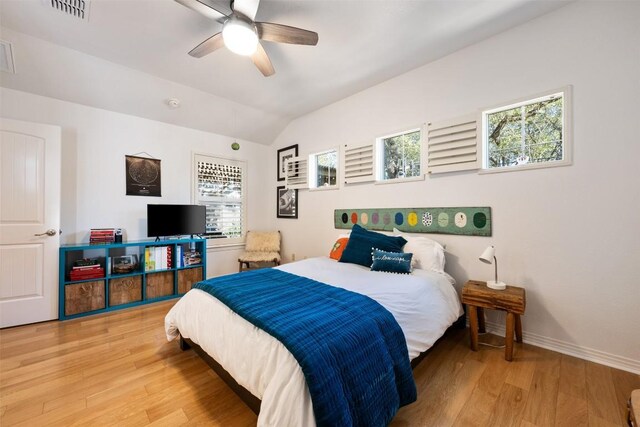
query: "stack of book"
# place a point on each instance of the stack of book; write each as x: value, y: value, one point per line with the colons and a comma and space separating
x: 86, y: 269
x: 157, y: 258
x: 102, y: 235
x: 190, y: 257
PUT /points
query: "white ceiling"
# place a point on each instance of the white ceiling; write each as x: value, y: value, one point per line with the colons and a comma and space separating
x: 361, y: 43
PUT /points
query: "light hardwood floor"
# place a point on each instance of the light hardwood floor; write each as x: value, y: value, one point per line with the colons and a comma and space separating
x: 118, y: 369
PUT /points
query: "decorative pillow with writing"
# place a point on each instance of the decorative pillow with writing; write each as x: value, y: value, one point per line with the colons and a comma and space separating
x: 338, y: 248
x: 427, y: 254
x: 391, y: 262
x: 361, y: 243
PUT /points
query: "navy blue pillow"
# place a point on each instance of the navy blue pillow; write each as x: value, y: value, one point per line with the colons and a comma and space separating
x: 361, y: 243
x: 391, y: 262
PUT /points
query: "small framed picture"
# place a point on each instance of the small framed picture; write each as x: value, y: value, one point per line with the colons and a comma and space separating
x: 124, y: 264
x: 287, y: 200
x: 283, y: 155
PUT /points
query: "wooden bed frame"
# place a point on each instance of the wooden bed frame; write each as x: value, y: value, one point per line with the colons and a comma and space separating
x: 252, y: 401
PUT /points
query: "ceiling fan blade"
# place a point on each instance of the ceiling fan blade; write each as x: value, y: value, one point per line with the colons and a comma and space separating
x: 211, y: 44
x: 285, y: 34
x: 248, y: 8
x: 209, y: 8
x: 262, y: 61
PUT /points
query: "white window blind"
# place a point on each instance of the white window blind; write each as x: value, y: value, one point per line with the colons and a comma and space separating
x: 220, y: 186
x: 297, y: 172
x: 452, y: 145
x: 359, y: 163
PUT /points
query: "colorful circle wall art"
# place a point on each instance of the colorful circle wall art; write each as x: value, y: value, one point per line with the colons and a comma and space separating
x: 399, y: 218
x: 479, y: 220
x: 469, y: 221
x: 460, y: 219
x: 427, y: 219
x: 443, y: 219
x: 412, y: 219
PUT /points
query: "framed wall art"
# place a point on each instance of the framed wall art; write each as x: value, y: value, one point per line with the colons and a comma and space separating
x: 142, y: 176
x: 287, y: 200
x: 283, y: 155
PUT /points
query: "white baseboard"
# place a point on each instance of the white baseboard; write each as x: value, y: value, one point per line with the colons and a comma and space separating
x: 590, y: 354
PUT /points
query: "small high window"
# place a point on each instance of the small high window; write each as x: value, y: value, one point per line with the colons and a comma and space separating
x: 323, y: 169
x: 530, y: 133
x: 399, y: 155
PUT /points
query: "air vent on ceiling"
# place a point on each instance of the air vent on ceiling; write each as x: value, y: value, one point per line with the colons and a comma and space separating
x: 77, y: 8
x: 6, y: 57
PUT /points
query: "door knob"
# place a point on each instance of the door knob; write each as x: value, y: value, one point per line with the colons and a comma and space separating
x: 49, y: 232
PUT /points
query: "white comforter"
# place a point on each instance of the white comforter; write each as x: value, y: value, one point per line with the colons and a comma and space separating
x: 424, y: 304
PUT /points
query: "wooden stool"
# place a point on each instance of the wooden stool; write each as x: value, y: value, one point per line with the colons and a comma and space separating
x: 477, y: 296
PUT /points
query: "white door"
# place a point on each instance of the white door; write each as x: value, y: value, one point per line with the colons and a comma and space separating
x: 29, y: 222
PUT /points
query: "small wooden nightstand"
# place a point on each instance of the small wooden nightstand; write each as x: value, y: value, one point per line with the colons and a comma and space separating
x: 477, y: 296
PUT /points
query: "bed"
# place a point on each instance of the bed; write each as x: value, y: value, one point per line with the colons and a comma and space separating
x: 424, y: 303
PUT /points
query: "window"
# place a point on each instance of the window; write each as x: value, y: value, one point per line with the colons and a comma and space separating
x: 527, y: 134
x: 399, y: 155
x: 323, y: 172
x: 220, y: 186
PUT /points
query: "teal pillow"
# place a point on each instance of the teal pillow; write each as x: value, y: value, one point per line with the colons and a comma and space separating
x: 361, y: 243
x: 391, y: 262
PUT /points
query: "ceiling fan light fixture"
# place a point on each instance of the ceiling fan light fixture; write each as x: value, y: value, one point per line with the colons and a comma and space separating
x: 240, y: 36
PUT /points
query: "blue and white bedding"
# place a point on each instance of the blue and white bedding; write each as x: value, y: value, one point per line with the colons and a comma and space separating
x: 351, y: 349
x: 424, y: 304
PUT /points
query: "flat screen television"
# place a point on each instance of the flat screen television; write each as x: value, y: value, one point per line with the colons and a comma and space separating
x: 175, y: 220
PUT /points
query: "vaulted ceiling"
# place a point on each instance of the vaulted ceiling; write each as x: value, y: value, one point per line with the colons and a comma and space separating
x: 361, y: 43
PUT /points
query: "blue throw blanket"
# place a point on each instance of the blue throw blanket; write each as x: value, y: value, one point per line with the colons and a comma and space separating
x: 351, y: 349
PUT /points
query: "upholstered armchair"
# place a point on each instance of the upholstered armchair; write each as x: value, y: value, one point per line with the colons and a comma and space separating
x: 260, y: 247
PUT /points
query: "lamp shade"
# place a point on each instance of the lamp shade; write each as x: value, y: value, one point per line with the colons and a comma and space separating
x: 488, y: 255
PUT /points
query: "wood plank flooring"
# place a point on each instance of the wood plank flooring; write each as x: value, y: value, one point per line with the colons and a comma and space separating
x: 118, y: 369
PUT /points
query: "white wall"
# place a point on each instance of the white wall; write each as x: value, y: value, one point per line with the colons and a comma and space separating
x: 94, y: 143
x: 58, y: 72
x: 569, y: 235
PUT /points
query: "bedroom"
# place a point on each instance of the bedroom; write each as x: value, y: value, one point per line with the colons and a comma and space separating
x: 568, y: 235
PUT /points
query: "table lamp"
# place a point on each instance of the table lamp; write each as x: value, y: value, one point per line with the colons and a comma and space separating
x: 488, y: 257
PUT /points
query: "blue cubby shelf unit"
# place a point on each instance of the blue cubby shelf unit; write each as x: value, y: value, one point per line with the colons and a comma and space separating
x: 78, y: 298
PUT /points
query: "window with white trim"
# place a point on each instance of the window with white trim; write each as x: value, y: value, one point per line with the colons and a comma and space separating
x: 323, y: 169
x: 399, y: 155
x: 220, y: 185
x: 527, y: 134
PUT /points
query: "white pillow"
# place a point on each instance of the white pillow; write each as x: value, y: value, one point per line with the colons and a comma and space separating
x: 427, y: 254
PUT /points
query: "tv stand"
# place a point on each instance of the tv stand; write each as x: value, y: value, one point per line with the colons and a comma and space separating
x: 111, y: 288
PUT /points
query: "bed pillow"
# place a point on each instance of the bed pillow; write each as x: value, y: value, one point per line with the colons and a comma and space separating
x: 427, y: 254
x: 338, y: 248
x: 361, y: 243
x: 391, y: 262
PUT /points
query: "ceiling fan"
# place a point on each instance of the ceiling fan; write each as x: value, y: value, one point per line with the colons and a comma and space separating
x: 241, y: 34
